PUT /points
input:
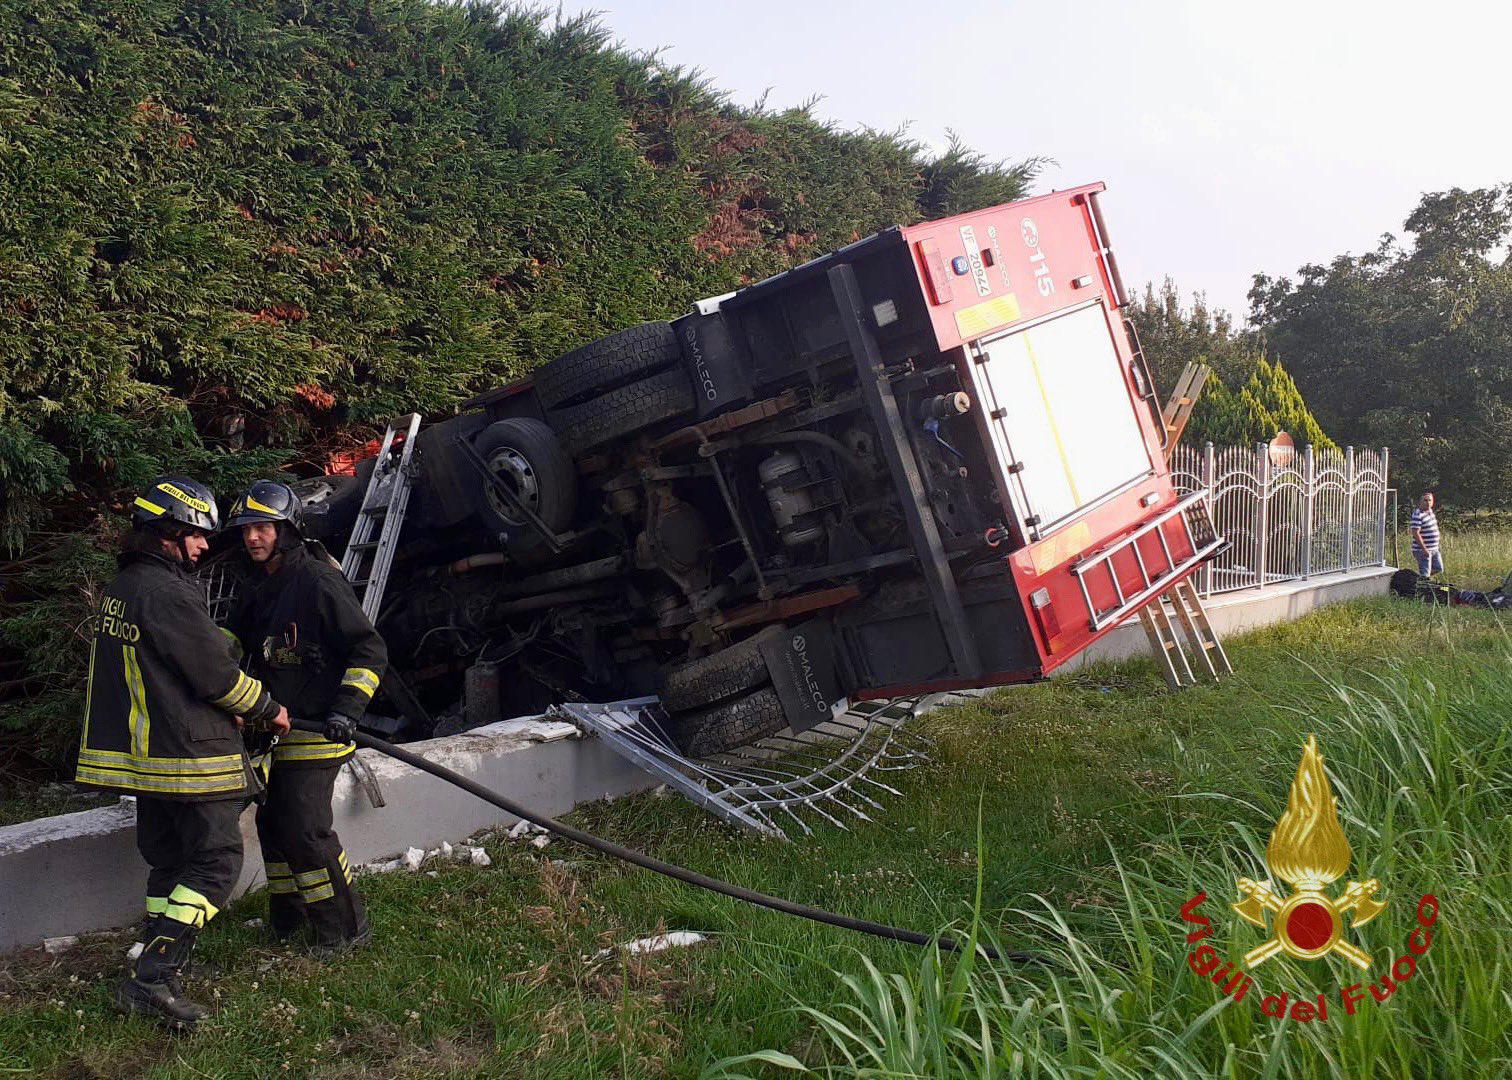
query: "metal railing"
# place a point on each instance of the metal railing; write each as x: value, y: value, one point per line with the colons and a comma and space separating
x: 1287, y: 516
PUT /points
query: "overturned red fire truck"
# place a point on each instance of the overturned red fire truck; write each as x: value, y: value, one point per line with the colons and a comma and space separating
x: 930, y: 460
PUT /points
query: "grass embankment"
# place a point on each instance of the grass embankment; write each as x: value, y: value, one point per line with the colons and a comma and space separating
x: 1106, y: 803
x: 1474, y: 558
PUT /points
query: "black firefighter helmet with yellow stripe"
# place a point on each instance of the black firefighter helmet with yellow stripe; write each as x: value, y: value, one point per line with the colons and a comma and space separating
x: 267, y: 500
x: 173, y: 502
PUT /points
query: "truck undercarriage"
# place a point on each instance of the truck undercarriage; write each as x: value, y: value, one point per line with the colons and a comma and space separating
x: 926, y: 461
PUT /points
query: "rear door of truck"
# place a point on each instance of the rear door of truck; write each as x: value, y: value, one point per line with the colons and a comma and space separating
x: 1028, y: 297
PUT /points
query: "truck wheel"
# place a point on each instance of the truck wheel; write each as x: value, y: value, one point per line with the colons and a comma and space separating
x: 622, y: 411
x: 607, y: 364
x: 527, y: 456
x: 722, y: 675
x: 729, y: 724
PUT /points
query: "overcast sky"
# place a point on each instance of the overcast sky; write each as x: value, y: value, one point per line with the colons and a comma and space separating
x: 1234, y: 138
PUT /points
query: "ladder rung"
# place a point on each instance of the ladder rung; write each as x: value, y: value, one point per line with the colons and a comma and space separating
x: 360, y: 582
x: 363, y: 545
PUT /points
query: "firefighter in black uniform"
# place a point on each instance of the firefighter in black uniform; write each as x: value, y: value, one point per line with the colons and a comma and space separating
x: 308, y: 639
x: 162, y: 710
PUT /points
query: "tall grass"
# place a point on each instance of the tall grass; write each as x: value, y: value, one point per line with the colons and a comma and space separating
x: 1475, y: 557
x: 1422, y: 767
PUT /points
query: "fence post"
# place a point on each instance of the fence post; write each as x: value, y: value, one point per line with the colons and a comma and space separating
x: 1209, y: 478
x: 1308, y: 478
x: 1262, y: 538
x: 1349, y: 492
x: 1385, y: 460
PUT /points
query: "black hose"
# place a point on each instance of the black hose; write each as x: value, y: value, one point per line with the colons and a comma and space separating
x: 692, y: 877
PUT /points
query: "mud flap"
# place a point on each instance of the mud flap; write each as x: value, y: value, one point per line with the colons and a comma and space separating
x: 801, y: 663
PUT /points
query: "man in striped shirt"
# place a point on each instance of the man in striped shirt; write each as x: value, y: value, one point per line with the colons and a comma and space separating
x: 1425, y: 537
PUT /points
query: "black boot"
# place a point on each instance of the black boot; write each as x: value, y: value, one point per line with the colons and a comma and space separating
x: 154, y: 987
x: 286, y: 918
x: 340, y: 924
x: 146, y: 930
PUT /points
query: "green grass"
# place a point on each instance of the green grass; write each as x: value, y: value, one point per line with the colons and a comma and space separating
x: 1105, y: 802
x: 1479, y: 557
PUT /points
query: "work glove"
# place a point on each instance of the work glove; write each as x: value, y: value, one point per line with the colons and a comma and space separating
x: 339, y: 729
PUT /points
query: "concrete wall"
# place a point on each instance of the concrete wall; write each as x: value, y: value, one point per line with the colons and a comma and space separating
x: 1249, y: 609
x: 80, y: 872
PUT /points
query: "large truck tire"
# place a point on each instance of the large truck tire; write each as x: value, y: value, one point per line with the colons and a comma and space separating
x: 602, y: 420
x: 607, y: 364
x: 728, y: 725
x: 725, y: 674
x: 529, y: 457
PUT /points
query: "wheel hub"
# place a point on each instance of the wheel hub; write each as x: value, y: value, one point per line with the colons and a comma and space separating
x: 511, y: 466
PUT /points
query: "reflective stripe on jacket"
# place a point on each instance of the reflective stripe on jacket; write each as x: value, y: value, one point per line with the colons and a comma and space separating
x: 164, y: 691
x: 307, y: 638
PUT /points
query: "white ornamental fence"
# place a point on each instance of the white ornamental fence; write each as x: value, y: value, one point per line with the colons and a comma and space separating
x: 1287, y: 514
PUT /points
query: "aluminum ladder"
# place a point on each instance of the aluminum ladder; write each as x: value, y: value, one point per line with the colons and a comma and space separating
x: 1191, y: 515
x: 1164, y: 596
x: 369, y: 557
x: 1182, y: 605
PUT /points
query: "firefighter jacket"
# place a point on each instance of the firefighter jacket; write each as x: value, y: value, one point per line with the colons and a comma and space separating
x: 308, y: 640
x: 164, y: 691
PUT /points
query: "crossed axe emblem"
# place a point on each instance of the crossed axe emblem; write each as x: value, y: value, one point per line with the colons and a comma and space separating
x: 1308, y: 924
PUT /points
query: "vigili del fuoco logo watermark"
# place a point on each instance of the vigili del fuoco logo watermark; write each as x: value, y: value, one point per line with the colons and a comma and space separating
x: 1308, y: 851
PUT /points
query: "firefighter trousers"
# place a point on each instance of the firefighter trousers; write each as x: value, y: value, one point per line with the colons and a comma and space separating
x: 308, y: 873
x: 194, y: 851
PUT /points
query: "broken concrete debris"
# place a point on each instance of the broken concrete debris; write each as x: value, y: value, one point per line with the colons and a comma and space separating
x: 677, y: 939
x: 57, y: 946
x: 415, y: 858
x: 523, y: 828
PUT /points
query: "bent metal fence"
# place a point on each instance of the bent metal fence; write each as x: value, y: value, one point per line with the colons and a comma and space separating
x: 1287, y: 514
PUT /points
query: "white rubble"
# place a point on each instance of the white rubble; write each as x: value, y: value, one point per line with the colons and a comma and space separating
x: 480, y: 857
x: 529, y: 728
x: 413, y: 858
x: 540, y: 842
x: 677, y: 939
x: 56, y: 946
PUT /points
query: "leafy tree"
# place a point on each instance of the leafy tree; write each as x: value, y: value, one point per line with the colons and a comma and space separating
x: 1247, y: 398
x: 1174, y: 333
x: 1410, y: 345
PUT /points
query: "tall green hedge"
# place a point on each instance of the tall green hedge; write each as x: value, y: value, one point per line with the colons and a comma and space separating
x: 279, y: 219
x: 1265, y: 405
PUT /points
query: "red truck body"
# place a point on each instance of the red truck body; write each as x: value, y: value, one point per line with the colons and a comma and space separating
x: 930, y: 460
x: 1030, y: 265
